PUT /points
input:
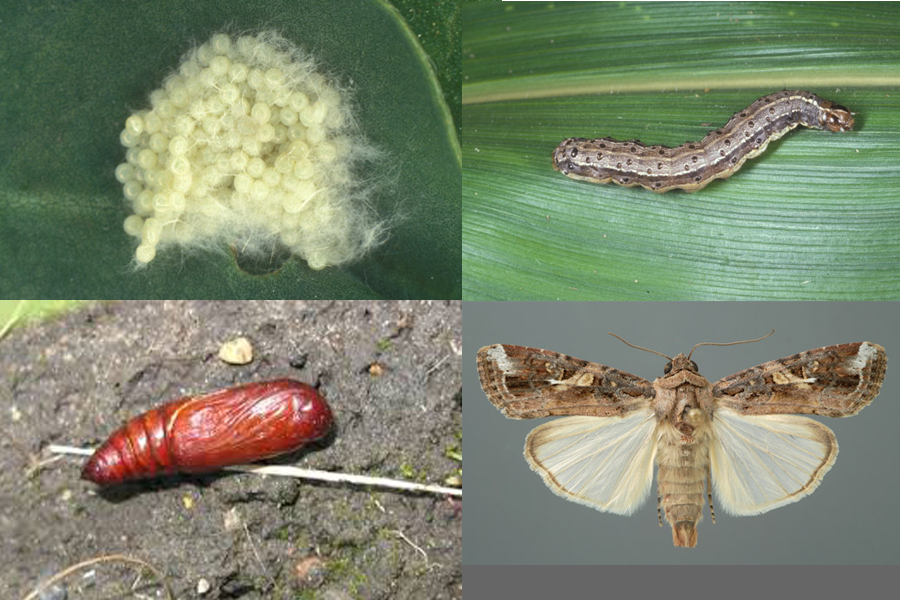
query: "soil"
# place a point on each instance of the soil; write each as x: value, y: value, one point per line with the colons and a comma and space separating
x: 76, y: 379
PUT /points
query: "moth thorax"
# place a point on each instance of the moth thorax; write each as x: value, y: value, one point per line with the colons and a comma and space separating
x: 694, y: 417
x: 689, y: 421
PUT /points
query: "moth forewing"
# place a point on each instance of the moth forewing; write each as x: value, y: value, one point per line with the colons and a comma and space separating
x: 528, y: 383
x: 833, y: 381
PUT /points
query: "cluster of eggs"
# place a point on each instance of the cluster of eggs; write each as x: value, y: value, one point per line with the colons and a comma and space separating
x: 248, y: 144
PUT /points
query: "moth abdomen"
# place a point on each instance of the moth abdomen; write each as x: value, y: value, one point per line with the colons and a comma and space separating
x: 684, y: 534
x: 683, y: 463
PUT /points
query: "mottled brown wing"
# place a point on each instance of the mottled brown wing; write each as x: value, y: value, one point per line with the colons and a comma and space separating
x: 834, y: 381
x: 527, y: 383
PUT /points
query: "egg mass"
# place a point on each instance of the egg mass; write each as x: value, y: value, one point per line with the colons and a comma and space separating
x: 248, y: 144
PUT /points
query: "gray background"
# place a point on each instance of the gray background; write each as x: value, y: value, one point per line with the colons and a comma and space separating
x: 513, y: 518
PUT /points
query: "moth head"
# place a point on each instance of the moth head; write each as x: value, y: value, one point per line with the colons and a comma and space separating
x: 680, y: 363
x: 836, y: 117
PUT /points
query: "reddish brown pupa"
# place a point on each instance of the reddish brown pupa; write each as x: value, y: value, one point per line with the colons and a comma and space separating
x: 236, y: 425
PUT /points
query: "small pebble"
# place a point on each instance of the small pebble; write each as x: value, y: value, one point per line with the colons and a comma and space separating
x: 202, y: 586
x: 298, y: 362
x: 310, y: 571
x: 238, y: 351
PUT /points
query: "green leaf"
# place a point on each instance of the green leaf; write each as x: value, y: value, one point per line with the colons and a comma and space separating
x: 75, y: 70
x: 817, y: 216
x: 14, y: 313
x: 438, y: 27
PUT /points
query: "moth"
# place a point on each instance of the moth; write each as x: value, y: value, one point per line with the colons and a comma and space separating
x: 739, y: 433
x: 693, y: 165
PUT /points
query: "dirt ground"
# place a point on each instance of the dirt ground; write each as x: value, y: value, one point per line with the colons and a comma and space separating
x: 75, y: 379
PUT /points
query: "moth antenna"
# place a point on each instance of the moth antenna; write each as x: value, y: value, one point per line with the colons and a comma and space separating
x: 644, y: 349
x: 724, y: 344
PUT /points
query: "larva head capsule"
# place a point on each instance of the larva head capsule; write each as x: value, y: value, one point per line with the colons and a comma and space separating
x: 835, y: 117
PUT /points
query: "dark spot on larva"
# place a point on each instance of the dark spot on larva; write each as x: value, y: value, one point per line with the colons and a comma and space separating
x: 686, y: 166
x: 733, y: 159
x: 691, y: 146
x: 618, y: 165
x: 633, y: 149
x: 569, y: 165
x: 721, y: 153
x: 771, y: 111
x: 659, y: 166
x: 743, y: 114
x: 574, y: 152
x: 657, y: 184
x: 694, y: 159
x: 759, y: 140
x: 719, y: 132
x: 628, y: 162
x: 697, y: 178
x: 625, y: 180
x: 662, y: 152
x: 727, y: 142
x: 599, y: 156
x: 748, y: 133
x: 750, y: 123
x: 603, y: 145
x: 587, y: 158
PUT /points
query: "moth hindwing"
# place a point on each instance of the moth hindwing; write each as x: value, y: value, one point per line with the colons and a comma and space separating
x: 739, y: 432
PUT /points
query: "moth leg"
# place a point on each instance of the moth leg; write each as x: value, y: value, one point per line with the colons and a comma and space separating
x: 658, y: 509
x: 712, y: 513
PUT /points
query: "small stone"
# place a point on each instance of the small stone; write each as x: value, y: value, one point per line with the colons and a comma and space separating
x: 202, y: 586
x: 310, y: 571
x: 238, y: 351
x: 233, y: 520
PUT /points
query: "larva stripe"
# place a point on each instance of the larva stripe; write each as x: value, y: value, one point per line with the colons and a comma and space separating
x: 692, y: 165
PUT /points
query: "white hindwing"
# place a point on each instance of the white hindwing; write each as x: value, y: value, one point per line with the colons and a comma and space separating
x: 603, y: 462
x: 762, y: 462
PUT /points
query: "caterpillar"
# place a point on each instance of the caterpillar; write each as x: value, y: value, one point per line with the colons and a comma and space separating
x: 693, y: 165
x: 194, y: 434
